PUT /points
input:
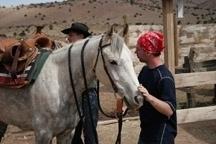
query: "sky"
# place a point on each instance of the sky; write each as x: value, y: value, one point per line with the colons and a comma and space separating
x: 19, y: 2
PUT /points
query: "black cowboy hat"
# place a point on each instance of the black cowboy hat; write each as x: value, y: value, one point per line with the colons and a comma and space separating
x: 78, y: 28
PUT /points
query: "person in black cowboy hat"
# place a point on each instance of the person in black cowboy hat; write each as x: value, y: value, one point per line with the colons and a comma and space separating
x: 76, y: 32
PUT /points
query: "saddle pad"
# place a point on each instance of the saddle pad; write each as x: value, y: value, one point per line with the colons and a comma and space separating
x: 29, y: 75
x: 7, y: 81
x: 38, y: 65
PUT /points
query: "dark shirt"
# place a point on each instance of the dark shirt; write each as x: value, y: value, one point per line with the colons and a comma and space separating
x: 160, y: 83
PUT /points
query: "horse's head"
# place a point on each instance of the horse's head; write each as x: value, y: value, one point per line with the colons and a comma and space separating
x: 114, y: 67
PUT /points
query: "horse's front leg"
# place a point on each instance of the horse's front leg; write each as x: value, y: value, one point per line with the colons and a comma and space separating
x: 65, y: 137
x: 43, y: 136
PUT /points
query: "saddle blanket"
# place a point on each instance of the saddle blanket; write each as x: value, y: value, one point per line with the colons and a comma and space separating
x: 7, y: 81
x: 28, y: 76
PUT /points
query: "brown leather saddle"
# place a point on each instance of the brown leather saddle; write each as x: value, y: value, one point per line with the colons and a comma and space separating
x: 16, y: 55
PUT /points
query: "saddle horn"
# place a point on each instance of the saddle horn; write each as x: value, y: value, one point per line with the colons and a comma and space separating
x: 39, y: 29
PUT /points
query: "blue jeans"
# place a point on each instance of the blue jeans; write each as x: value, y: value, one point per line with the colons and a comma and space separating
x: 88, y: 129
x: 168, y: 139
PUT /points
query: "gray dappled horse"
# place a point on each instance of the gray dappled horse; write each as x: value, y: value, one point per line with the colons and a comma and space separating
x: 48, y: 107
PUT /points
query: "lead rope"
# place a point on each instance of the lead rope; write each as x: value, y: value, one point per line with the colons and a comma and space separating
x: 120, y: 115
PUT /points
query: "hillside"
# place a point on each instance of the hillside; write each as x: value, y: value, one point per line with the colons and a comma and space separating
x: 98, y: 14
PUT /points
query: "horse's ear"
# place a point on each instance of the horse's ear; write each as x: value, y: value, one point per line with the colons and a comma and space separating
x: 111, y: 30
x: 126, y: 26
x: 124, y: 32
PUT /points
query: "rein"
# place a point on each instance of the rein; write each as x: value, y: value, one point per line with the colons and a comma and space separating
x: 72, y: 82
x: 86, y: 89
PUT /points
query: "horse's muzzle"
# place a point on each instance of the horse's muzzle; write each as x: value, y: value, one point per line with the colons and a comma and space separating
x: 139, y: 99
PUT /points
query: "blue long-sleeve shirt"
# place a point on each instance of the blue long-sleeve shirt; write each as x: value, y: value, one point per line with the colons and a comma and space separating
x: 160, y: 83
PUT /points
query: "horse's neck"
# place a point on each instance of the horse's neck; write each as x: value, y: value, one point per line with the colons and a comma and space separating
x: 61, y: 59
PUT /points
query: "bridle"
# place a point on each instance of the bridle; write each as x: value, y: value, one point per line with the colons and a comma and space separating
x: 115, y: 88
x: 100, y: 51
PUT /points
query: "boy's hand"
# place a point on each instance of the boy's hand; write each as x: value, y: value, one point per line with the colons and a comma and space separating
x: 144, y: 92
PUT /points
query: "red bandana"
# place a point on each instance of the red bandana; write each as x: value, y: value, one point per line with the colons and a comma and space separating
x: 151, y: 42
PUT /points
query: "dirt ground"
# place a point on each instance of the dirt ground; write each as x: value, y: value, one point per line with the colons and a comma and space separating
x: 190, y: 133
x: 193, y: 133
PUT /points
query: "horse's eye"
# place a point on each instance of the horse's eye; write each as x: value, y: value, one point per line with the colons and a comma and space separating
x: 113, y: 62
